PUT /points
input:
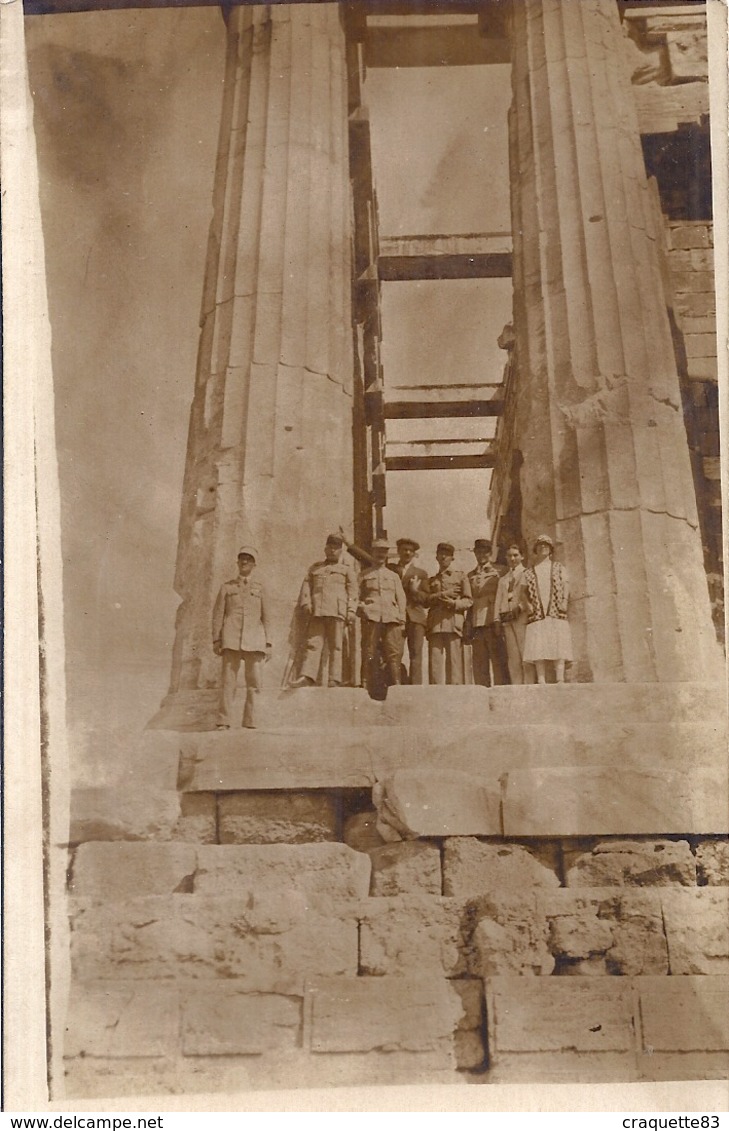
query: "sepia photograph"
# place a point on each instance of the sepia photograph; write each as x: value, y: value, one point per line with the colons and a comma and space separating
x: 369, y: 710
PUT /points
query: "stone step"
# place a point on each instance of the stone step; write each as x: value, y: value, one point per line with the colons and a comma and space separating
x: 570, y: 703
x: 512, y: 781
x: 295, y: 759
x: 219, y: 1035
x: 555, y: 802
x: 156, y: 1037
x: 573, y: 760
x: 564, y: 704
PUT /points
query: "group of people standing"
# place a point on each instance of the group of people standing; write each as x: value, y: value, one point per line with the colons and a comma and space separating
x: 515, y: 620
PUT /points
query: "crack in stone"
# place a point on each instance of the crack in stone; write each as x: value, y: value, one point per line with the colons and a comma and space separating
x: 315, y: 373
x: 628, y: 510
x: 285, y: 365
x: 665, y: 936
x: 664, y: 401
x: 604, y: 406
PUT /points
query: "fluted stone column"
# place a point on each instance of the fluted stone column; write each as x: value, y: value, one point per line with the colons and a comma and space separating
x: 599, y: 418
x: 269, y: 458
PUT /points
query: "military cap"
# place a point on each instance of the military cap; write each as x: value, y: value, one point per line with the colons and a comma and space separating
x: 249, y: 551
x: 407, y: 542
x: 380, y: 543
x: 482, y: 544
x: 545, y: 539
x: 334, y: 540
x: 446, y: 547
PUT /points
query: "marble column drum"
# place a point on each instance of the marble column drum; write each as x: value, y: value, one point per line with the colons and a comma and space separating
x: 269, y: 456
x: 599, y: 417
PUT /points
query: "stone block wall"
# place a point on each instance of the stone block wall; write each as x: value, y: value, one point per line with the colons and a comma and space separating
x: 690, y: 256
x: 292, y: 963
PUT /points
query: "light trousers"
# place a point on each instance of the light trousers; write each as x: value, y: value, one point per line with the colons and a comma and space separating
x: 321, y: 630
x: 445, y: 657
x: 253, y: 663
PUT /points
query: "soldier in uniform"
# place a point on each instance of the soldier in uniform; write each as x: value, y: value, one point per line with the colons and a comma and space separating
x: 415, y: 583
x: 485, y: 633
x: 240, y: 632
x: 383, y: 609
x: 449, y: 596
x: 510, y: 611
x: 329, y: 596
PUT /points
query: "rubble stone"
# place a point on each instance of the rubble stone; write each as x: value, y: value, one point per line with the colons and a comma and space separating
x: 399, y: 936
x: 198, y: 821
x: 415, y: 803
x: 320, y: 872
x: 270, y: 944
x: 640, y: 945
x: 229, y: 1021
x: 712, y: 862
x: 579, y: 936
x: 410, y: 866
x: 624, y: 927
x: 470, y: 991
x: 113, y: 871
x: 697, y: 930
x: 271, y: 818
x: 638, y: 863
x: 469, y: 1036
x: 593, y: 966
x: 510, y: 937
x: 471, y: 867
x: 360, y: 831
x: 416, y: 1013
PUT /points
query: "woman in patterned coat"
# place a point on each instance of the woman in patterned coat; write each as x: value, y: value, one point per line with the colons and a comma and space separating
x: 548, y: 636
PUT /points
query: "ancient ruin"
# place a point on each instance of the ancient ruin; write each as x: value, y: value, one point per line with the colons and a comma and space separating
x: 416, y: 890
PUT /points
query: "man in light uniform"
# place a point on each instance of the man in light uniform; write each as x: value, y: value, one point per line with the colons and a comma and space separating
x: 329, y: 596
x: 383, y: 609
x: 240, y: 632
x: 449, y: 596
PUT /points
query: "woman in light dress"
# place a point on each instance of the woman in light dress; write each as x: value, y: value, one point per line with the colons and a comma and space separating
x: 548, y: 636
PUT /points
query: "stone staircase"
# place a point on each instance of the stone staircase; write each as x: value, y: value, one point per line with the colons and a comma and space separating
x: 403, y: 892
